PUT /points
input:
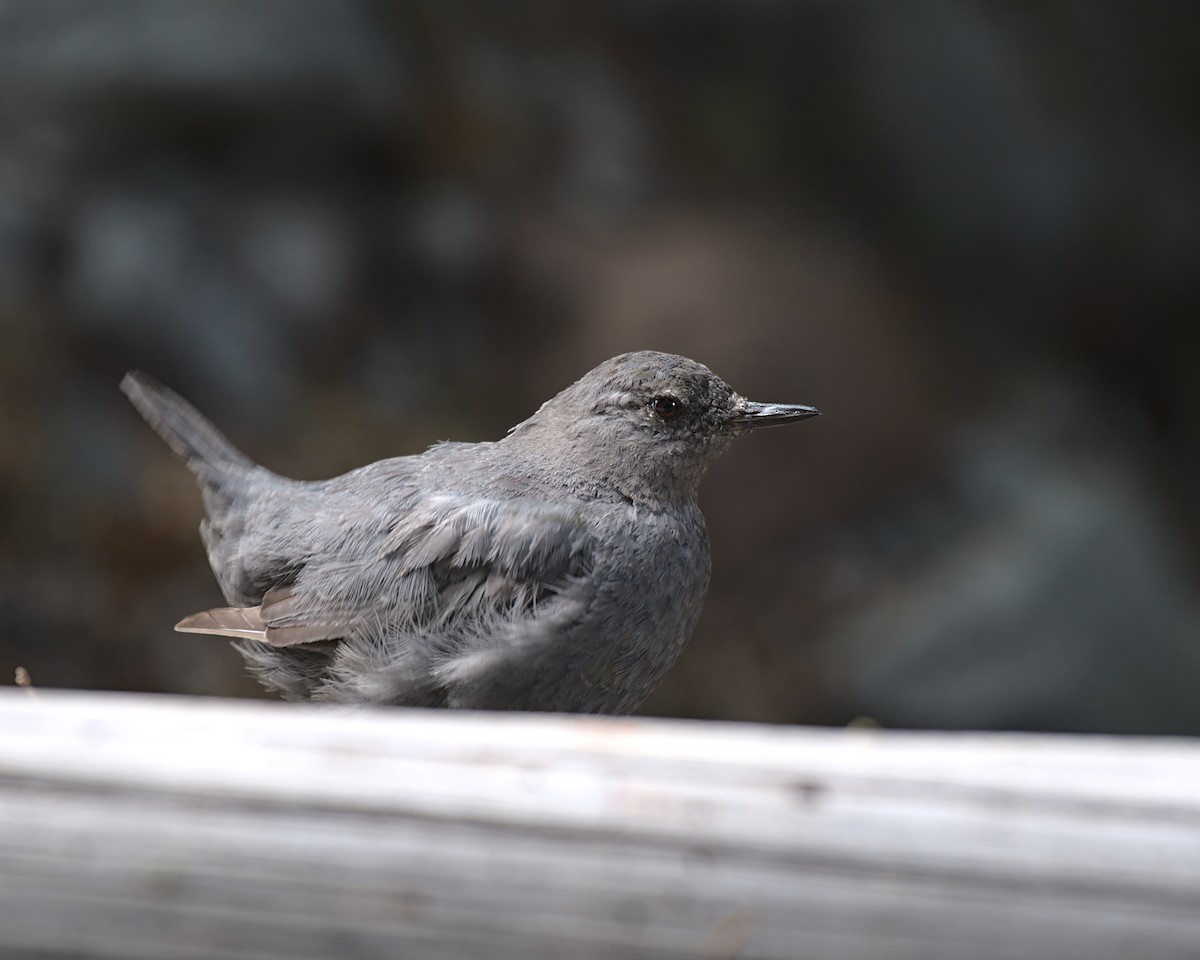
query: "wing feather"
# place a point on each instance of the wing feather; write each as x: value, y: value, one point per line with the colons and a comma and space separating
x: 243, y: 623
x: 448, y: 564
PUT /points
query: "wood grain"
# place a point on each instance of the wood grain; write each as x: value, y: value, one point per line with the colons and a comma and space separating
x: 161, y: 827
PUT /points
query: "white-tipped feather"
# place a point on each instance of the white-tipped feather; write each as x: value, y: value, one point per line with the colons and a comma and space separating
x: 241, y: 623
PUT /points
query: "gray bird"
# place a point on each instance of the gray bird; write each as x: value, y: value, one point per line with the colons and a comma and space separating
x: 560, y: 568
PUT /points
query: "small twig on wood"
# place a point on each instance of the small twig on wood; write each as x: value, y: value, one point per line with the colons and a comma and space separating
x: 25, y: 682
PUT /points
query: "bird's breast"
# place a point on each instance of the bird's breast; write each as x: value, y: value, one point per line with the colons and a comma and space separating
x: 651, y: 578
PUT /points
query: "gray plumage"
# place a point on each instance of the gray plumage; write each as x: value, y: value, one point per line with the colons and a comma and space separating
x: 560, y: 568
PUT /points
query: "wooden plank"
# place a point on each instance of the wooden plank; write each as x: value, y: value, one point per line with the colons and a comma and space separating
x: 165, y: 827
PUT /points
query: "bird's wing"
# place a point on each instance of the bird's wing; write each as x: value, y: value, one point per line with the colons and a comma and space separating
x: 441, y: 570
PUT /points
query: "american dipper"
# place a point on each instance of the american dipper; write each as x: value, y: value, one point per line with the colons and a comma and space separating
x: 560, y: 568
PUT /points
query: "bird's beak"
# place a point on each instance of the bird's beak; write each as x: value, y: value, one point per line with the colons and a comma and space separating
x: 749, y: 414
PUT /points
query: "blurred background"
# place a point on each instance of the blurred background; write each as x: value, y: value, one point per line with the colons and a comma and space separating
x: 968, y: 231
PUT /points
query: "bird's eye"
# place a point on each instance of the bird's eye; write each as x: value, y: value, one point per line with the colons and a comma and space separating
x: 668, y: 408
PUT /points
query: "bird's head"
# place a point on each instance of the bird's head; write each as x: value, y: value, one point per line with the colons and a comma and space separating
x: 649, y: 420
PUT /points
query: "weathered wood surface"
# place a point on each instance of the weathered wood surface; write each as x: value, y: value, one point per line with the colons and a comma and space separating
x: 155, y: 827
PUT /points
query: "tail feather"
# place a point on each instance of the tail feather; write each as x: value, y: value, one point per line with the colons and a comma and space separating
x: 186, y: 431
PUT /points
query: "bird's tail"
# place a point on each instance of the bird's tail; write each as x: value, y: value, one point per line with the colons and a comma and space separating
x: 187, y: 431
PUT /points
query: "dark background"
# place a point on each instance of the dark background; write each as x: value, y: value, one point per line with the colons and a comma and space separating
x: 968, y: 231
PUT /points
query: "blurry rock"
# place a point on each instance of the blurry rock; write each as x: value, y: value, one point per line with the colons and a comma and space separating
x: 604, y: 167
x: 300, y: 250
x: 73, y: 51
x: 1058, y: 599
x: 192, y: 208
x: 447, y: 228
x: 992, y: 184
x: 146, y: 268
